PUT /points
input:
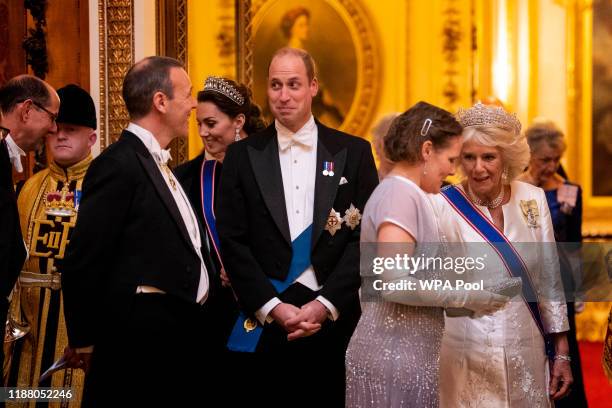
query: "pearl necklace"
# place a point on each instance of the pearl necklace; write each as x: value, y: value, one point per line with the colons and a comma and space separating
x: 489, y: 204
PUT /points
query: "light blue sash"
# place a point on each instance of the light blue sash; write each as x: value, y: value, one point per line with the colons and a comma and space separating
x: 245, y: 340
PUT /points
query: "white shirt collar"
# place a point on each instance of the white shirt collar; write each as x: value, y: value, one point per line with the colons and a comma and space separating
x: 15, y: 152
x: 150, y: 142
x: 304, y: 136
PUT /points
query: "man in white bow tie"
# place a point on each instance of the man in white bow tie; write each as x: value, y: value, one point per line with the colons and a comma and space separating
x: 28, y: 109
x: 136, y: 274
x: 289, y: 211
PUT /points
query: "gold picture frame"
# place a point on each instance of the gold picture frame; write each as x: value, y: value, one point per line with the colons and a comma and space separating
x: 597, y: 207
x: 348, y: 58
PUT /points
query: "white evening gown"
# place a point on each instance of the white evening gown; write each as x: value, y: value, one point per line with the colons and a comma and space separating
x: 499, y: 360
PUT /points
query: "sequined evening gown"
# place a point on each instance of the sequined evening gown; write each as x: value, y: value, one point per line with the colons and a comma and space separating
x: 393, y: 357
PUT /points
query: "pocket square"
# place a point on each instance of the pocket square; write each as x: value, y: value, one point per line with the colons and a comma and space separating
x: 343, y: 181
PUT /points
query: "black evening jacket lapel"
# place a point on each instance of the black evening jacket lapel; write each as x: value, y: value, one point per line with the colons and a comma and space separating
x: 266, y: 167
x: 326, y: 187
x: 147, y: 161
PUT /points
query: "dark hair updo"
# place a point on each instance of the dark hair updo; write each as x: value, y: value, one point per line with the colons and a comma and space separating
x: 411, y: 129
x: 252, y: 114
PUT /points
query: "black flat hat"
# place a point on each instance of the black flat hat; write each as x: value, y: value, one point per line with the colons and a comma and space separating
x: 76, y: 107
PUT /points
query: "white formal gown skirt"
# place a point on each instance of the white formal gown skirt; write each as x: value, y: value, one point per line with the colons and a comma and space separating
x: 494, y: 362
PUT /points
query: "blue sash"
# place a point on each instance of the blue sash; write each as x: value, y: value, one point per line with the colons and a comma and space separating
x: 245, y: 340
x: 207, y: 178
x: 506, y: 251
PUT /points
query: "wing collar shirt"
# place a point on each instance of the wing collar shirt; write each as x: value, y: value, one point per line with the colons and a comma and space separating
x: 161, y: 157
x: 298, y: 160
x: 15, y: 153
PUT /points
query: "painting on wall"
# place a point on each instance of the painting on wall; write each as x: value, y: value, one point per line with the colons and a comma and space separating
x: 602, y: 98
x: 341, y: 38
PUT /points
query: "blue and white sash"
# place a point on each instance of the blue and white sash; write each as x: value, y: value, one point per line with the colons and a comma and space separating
x: 510, y: 257
x: 207, y: 178
x: 245, y: 340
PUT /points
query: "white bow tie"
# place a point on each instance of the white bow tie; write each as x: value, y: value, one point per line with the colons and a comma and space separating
x: 285, y: 140
x: 162, y: 156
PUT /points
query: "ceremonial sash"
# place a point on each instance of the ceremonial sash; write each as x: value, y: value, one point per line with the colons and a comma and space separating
x: 207, y: 178
x: 246, y: 332
x: 506, y: 251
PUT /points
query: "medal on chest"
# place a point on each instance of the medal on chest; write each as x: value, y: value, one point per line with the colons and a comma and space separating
x: 328, y: 169
x: 334, y: 222
x: 352, y: 217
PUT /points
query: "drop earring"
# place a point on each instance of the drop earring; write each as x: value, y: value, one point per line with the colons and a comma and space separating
x: 505, y: 175
x: 237, y: 137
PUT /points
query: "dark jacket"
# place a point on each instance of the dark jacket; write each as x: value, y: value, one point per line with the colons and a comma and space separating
x: 254, y: 228
x: 129, y: 233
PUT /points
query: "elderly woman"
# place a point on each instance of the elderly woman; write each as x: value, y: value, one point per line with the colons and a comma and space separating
x: 501, y: 360
x: 565, y: 203
x: 564, y: 198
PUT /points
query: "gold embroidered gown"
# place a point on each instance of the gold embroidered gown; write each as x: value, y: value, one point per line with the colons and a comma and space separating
x: 47, y: 214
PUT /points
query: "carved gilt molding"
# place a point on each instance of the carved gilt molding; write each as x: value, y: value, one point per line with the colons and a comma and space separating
x: 116, y: 44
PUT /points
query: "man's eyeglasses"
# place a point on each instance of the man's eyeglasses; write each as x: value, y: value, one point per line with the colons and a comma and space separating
x: 52, y: 116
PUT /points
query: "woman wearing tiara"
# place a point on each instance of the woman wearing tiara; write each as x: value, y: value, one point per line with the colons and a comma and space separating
x: 501, y: 360
x: 225, y: 113
x: 392, y: 359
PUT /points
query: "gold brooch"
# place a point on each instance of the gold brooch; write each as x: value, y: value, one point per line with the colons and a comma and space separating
x: 530, y: 212
x: 334, y: 222
x: 249, y: 325
x: 352, y: 217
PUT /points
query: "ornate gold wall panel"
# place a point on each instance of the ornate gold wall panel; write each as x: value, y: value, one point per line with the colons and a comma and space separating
x: 171, y: 29
x: 597, y: 221
x: 116, y: 44
x: 442, y: 54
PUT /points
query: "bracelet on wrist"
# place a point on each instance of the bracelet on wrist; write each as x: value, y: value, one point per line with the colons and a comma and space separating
x: 563, y: 357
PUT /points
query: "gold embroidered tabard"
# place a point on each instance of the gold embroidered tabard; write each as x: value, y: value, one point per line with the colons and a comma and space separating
x: 48, y: 206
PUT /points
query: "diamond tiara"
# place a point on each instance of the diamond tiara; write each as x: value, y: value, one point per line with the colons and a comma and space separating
x: 220, y: 85
x: 488, y: 115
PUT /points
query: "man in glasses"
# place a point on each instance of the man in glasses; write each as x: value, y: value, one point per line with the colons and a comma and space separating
x: 29, y: 107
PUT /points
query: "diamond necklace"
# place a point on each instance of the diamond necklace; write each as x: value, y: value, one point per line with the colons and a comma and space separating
x: 489, y: 204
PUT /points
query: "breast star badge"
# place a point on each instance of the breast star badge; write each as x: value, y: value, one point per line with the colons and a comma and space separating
x: 352, y: 217
x: 334, y: 222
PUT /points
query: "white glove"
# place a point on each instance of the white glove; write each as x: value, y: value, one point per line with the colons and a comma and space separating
x: 483, y: 302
